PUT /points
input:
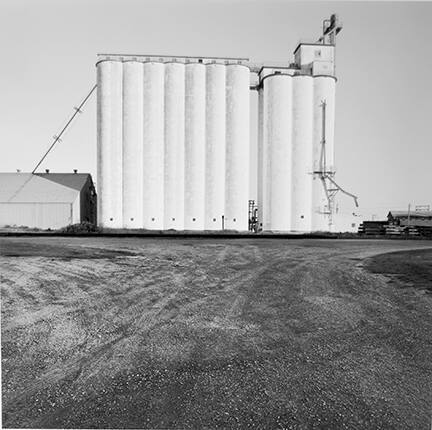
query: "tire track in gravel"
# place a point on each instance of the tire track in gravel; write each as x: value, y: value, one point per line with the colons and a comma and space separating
x: 77, y: 366
x: 289, y: 309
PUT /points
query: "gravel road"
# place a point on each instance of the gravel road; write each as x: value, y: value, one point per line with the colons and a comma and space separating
x: 215, y: 333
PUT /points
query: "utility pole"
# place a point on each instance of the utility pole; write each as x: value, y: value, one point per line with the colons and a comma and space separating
x: 326, y: 176
x: 409, y: 213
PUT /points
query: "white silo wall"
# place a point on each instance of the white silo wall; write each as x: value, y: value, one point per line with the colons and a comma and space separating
x: 260, y: 181
x: 109, y: 142
x: 132, y: 144
x: 324, y: 89
x: 174, y: 146
x: 195, y: 102
x: 237, y: 147
x: 153, y: 146
x: 265, y: 159
x: 215, y: 147
x: 302, y: 176
x: 277, y: 152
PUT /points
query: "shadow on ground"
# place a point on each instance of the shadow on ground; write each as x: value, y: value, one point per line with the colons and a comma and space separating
x: 413, y: 269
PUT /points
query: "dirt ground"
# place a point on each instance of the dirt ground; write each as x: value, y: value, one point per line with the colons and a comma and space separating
x: 216, y: 333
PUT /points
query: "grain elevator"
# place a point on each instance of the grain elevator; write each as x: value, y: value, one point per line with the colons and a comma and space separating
x: 174, y: 140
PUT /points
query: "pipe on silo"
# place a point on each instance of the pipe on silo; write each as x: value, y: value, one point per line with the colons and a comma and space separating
x: 237, y: 148
x: 195, y: 141
x: 302, y: 168
x: 109, y: 143
x: 215, y: 146
x: 324, y: 89
x: 277, y: 152
x: 174, y: 146
x: 153, y: 146
x: 132, y: 144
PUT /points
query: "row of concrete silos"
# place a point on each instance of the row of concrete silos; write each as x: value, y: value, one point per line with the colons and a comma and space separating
x: 173, y: 145
x: 291, y: 195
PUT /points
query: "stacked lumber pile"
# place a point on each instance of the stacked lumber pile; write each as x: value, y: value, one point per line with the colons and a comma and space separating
x: 394, y: 230
x: 372, y: 227
x: 424, y: 230
x: 412, y: 231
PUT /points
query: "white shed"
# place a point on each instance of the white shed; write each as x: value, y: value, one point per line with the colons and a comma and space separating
x: 45, y: 200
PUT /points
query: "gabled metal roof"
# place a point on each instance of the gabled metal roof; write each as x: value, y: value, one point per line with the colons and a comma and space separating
x: 31, y: 188
x: 70, y: 180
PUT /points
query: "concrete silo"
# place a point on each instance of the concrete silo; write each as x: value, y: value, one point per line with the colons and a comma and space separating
x: 237, y: 147
x: 195, y: 117
x: 296, y: 186
x: 153, y: 145
x: 260, y: 155
x: 109, y: 143
x: 276, y: 150
x: 302, y: 166
x: 173, y: 140
x: 174, y: 145
x: 133, y: 171
x: 322, y: 152
x: 215, y: 146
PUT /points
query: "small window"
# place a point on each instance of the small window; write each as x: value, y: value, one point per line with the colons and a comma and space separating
x: 277, y: 72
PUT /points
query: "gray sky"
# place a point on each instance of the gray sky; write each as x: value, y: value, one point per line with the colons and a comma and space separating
x: 384, y: 63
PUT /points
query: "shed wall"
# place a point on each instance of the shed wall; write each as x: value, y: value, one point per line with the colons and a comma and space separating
x: 38, y: 215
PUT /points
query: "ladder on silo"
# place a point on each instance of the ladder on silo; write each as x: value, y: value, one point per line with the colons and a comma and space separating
x: 331, y: 188
x: 253, y: 216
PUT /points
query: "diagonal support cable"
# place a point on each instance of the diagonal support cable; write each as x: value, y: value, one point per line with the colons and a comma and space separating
x: 57, y: 138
